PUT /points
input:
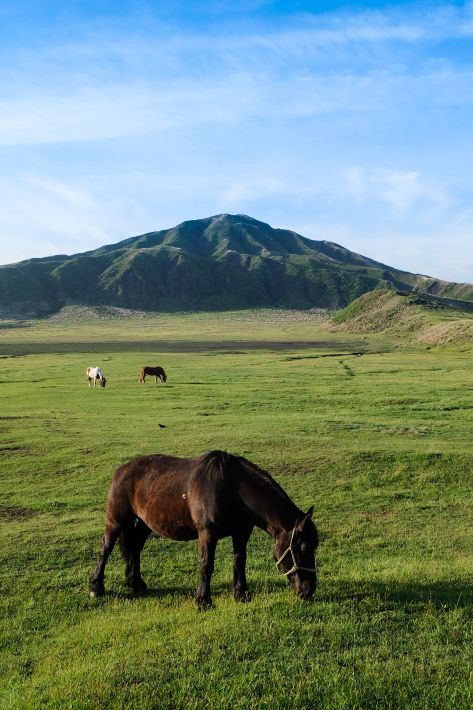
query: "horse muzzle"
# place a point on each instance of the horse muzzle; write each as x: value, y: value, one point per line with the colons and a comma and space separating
x: 306, y: 589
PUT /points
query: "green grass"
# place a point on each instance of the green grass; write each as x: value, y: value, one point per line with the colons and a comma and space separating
x: 380, y: 443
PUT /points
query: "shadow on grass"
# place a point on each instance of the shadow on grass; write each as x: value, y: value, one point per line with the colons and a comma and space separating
x: 177, y: 346
x: 180, y: 592
x: 447, y: 594
x: 439, y: 594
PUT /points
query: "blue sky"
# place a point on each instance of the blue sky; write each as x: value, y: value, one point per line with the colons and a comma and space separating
x: 346, y: 121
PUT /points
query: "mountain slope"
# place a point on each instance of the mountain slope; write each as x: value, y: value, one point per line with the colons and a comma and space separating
x: 423, y: 318
x: 221, y: 262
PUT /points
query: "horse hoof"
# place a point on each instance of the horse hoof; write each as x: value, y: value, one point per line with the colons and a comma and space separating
x: 140, y: 589
x: 137, y: 586
x: 205, y: 605
x: 96, y: 590
x: 242, y: 597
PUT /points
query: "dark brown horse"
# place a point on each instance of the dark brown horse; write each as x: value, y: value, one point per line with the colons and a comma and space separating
x: 157, y: 371
x: 208, y: 498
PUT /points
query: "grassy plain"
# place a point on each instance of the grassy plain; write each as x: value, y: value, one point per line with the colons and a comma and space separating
x: 379, y: 442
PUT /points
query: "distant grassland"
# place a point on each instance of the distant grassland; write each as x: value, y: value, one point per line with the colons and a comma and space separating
x: 376, y: 436
x: 79, y: 323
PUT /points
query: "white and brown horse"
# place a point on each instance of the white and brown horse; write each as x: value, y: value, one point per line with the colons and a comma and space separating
x: 157, y: 371
x: 94, y: 374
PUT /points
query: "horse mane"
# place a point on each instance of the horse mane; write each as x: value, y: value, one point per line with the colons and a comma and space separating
x: 263, y: 477
x: 213, y: 464
x: 217, y: 464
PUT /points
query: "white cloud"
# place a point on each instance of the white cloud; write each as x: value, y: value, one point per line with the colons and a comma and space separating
x: 41, y: 216
x: 257, y: 188
x: 105, y: 86
x: 403, y: 190
x: 400, y: 190
x: 139, y: 108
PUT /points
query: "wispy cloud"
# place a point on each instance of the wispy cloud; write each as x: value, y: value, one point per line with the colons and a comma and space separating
x: 400, y: 190
x: 93, y: 90
x: 42, y: 216
x: 110, y: 111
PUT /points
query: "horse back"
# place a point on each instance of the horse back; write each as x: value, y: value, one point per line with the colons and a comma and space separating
x: 175, y: 497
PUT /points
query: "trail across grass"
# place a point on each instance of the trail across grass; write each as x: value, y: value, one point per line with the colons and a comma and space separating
x: 379, y: 441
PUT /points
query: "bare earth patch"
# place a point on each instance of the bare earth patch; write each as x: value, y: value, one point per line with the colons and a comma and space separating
x: 16, y: 512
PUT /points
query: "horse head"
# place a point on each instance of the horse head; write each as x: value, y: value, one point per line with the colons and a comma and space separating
x: 294, y: 553
x: 103, y: 382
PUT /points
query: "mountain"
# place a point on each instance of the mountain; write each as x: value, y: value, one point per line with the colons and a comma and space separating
x: 221, y: 262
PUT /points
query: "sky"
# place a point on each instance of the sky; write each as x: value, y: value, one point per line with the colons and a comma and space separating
x: 345, y: 121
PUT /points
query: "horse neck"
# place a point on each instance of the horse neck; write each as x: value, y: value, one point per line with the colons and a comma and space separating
x: 272, y: 509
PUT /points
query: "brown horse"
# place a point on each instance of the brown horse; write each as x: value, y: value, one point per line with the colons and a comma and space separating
x: 157, y: 371
x: 208, y: 498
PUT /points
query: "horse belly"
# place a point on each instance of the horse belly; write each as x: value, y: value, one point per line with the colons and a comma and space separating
x: 167, y: 519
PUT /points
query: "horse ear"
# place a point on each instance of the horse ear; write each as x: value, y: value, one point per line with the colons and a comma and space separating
x: 306, y: 518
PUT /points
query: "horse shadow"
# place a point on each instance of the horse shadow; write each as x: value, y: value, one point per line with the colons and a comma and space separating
x: 445, y: 594
x: 181, y: 592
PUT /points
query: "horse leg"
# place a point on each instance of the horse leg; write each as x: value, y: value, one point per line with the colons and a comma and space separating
x: 132, y: 540
x: 207, y: 546
x: 240, y: 586
x: 109, y: 539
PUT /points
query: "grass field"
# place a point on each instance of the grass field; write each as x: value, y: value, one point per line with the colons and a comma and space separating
x: 375, y: 435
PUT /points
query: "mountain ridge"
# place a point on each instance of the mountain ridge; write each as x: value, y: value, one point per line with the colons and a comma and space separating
x: 215, y: 263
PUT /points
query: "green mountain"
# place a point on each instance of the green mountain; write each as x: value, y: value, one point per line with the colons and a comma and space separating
x: 222, y: 262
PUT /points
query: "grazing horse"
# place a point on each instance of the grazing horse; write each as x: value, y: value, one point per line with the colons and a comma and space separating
x: 157, y: 371
x: 94, y: 374
x: 214, y: 496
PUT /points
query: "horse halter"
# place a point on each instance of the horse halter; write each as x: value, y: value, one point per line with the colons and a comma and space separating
x: 295, y: 567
